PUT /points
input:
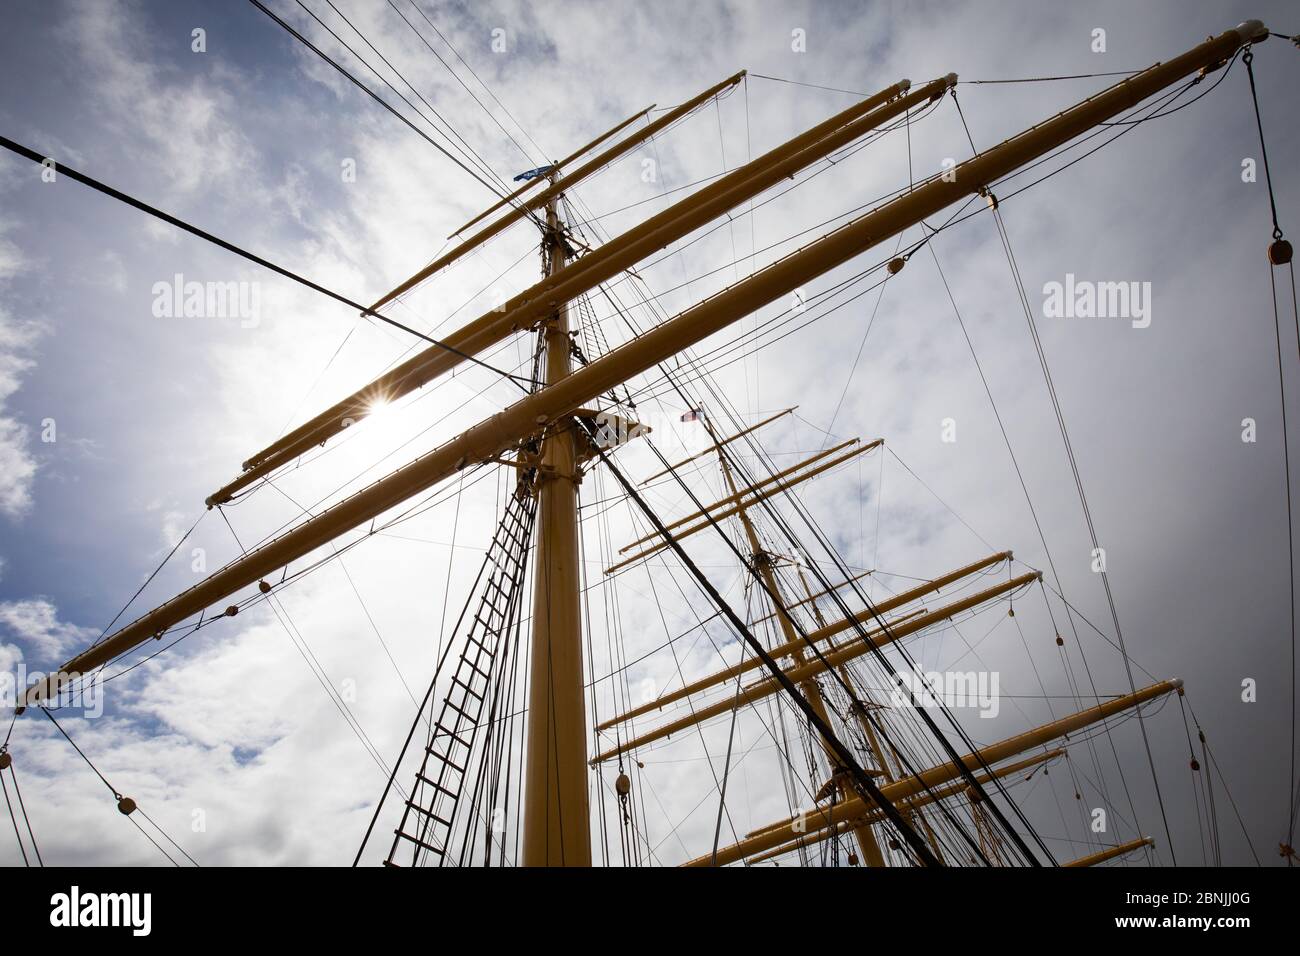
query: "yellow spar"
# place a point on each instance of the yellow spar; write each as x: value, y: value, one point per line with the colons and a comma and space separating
x: 908, y: 806
x: 526, y: 417
x: 589, y: 271
x: 788, y: 831
x: 823, y: 633
x: 812, y: 668
x: 1110, y: 853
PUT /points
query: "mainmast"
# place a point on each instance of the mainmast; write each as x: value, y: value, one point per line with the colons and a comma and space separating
x: 557, y: 831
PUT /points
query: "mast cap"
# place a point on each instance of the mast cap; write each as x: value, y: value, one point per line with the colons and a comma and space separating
x: 1251, y: 31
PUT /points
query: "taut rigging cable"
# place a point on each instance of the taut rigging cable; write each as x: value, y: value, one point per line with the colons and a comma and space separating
x: 1279, y: 254
x: 125, y: 805
x: 863, y: 781
x: 371, y: 93
x: 107, y: 190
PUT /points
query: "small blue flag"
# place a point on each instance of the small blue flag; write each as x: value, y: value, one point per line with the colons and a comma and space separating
x: 534, y: 173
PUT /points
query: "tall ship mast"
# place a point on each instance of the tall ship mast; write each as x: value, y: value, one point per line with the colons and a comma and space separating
x: 663, y: 601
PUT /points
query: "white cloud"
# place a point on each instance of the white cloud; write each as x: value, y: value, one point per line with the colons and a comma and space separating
x: 183, y: 125
x: 17, y: 338
x: 11, y: 258
x: 36, y: 623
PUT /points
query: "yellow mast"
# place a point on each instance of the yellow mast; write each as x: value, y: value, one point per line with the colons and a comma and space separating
x: 557, y: 830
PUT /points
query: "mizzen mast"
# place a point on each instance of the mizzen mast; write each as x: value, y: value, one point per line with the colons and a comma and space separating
x: 764, y: 563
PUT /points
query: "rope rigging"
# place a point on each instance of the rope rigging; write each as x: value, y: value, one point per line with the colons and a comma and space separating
x: 367, y: 90
x: 127, y: 806
x: 7, y: 763
x: 862, y: 780
x: 689, y: 402
x: 980, y: 829
x: 661, y: 367
x: 1112, y: 141
x: 1108, y: 141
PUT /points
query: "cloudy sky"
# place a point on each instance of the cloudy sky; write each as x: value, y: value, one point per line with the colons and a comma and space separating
x: 116, y: 422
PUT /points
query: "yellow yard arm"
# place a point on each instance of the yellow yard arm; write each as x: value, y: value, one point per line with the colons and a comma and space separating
x: 790, y: 830
x: 584, y: 274
x: 830, y: 630
x: 817, y: 666
x: 490, y: 438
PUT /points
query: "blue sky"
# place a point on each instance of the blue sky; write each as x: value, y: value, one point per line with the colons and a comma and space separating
x: 247, y: 140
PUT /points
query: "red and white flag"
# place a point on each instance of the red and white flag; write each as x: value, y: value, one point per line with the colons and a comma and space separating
x: 693, y: 415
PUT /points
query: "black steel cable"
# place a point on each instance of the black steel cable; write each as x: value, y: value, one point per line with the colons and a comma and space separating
x: 113, y: 790
x: 13, y: 775
x: 1248, y: 58
x: 17, y: 832
x: 372, y: 94
x: 107, y: 190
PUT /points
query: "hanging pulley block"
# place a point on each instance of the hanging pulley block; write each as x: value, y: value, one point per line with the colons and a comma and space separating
x: 623, y: 785
x: 1279, y: 252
